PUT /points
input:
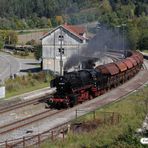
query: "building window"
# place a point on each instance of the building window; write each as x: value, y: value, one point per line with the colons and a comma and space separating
x: 61, y: 37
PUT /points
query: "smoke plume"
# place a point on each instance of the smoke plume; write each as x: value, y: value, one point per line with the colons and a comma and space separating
x: 104, y: 40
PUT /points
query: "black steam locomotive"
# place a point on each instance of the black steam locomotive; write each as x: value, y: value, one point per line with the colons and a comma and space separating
x: 74, y: 87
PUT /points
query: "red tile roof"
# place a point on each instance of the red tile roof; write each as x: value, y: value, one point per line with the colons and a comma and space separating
x: 77, y: 30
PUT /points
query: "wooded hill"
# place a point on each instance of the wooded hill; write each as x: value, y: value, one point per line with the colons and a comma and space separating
x: 25, y: 14
x: 18, y: 14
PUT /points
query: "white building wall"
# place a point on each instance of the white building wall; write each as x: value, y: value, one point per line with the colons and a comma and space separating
x: 51, y: 45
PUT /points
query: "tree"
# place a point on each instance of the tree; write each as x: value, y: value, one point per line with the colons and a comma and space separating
x: 49, y: 24
x: 11, y: 37
x: 38, y: 51
x: 59, y: 20
x: 143, y: 42
x: 110, y: 19
x: 1, y: 42
x: 105, y: 7
x: 133, y: 36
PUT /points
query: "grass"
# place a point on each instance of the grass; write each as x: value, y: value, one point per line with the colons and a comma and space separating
x: 133, y: 110
x: 27, y: 83
x: 32, y: 31
x: 27, y: 89
x: 146, y: 51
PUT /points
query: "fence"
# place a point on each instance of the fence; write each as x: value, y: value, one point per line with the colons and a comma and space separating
x: 61, y: 131
x: 105, y: 117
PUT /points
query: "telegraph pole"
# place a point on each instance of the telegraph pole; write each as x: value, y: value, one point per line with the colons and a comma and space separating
x: 54, y: 52
x: 124, y: 25
x: 118, y: 26
x: 61, y: 51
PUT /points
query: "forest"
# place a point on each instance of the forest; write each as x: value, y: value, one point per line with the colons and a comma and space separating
x: 27, y: 14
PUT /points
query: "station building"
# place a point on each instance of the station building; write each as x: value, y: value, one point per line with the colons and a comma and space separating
x: 72, y: 38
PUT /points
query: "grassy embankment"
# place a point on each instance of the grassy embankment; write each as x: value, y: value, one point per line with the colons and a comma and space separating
x: 146, y: 51
x: 26, y: 83
x: 122, y: 135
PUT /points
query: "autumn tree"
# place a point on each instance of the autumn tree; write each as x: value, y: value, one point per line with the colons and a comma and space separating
x: 59, y: 20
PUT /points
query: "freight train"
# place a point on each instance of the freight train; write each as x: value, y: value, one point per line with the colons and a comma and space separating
x: 78, y: 86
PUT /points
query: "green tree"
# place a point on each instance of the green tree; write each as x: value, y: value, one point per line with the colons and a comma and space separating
x: 1, y: 42
x: 105, y: 7
x: 38, y: 51
x: 11, y: 37
x: 133, y: 36
x: 143, y: 41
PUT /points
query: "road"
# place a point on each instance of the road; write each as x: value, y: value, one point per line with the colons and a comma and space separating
x: 27, y: 65
x: 9, y: 66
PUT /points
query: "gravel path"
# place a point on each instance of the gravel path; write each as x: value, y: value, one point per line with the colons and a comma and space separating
x: 21, y: 113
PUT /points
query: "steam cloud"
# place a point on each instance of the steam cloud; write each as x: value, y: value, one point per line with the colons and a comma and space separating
x: 105, y: 39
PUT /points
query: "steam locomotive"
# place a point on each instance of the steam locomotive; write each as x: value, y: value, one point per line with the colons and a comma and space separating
x: 78, y: 86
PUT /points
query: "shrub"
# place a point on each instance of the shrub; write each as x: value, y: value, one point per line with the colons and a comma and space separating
x: 13, y: 86
x: 32, y: 82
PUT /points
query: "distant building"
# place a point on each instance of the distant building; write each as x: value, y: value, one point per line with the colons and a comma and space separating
x: 73, y: 39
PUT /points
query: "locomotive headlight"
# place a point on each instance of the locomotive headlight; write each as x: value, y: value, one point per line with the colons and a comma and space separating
x: 61, y: 78
x: 61, y: 83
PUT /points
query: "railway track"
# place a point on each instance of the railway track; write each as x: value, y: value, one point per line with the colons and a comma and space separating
x: 26, y: 121
x: 35, y: 100
x: 114, y: 57
x: 20, y: 105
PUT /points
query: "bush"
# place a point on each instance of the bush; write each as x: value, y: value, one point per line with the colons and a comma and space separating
x: 21, y: 53
x: 26, y: 82
x: 24, y: 53
x: 32, y: 82
x: 13, y: 86
x: 31, y: 42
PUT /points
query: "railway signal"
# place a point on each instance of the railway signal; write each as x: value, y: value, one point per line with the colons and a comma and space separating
x: 61, y: 50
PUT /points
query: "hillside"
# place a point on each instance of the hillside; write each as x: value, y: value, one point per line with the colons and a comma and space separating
x: 16, y: 14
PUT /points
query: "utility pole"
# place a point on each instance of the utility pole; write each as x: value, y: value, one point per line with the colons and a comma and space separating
x: 118, y: 29
x: 9, y: 39
x: 61, y: 51
x: 54, y: 52
x: 123, y: 25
